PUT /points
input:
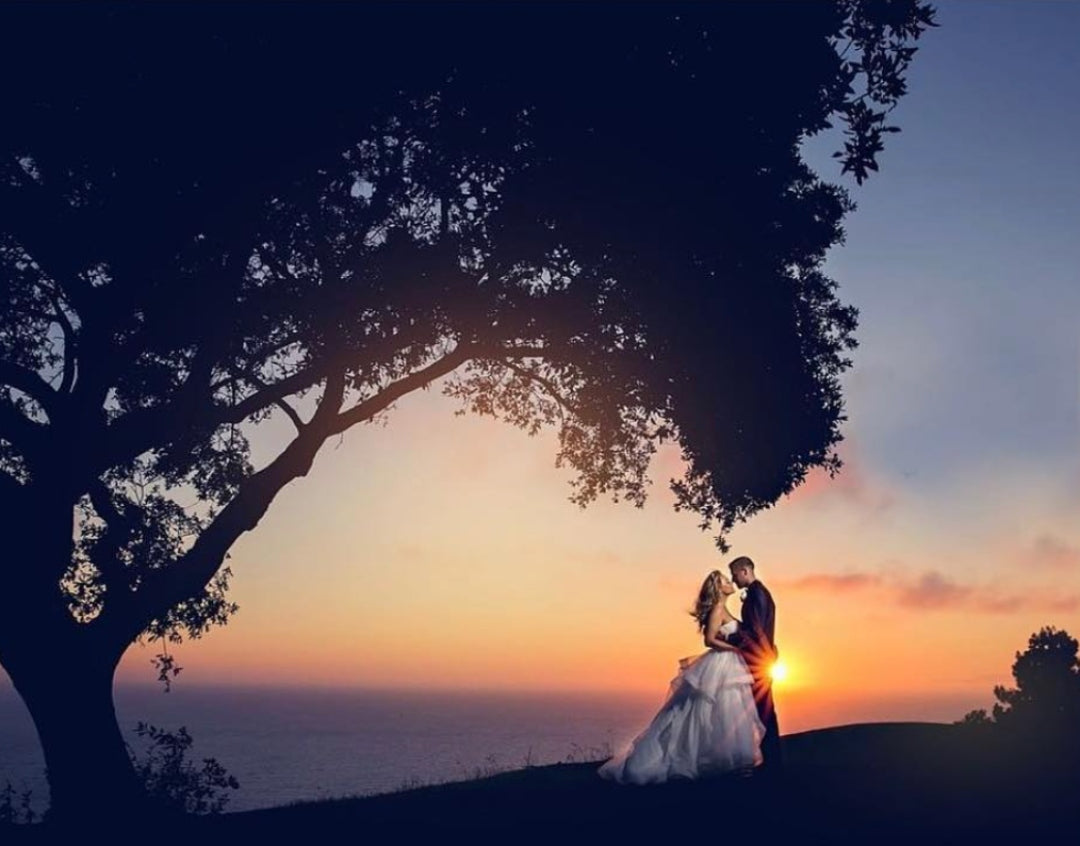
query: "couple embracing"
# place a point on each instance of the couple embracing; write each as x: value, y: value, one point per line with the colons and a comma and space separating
x: 718, y: 715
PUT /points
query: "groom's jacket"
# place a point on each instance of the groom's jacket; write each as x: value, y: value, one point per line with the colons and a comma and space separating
x: 758, y: 627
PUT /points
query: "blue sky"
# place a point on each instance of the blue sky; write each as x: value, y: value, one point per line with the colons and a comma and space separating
x: 963, y: 254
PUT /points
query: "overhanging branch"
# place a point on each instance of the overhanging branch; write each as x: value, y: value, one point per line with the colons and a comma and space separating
x: 119, y: 529
x: 367, y: 409
x: 188, y: 577
x: 291, y: 413
x: 547, y: 385
x: 140, y: 430
x: 24, y: 434
x: 70, y: 344
x: 31, y: 384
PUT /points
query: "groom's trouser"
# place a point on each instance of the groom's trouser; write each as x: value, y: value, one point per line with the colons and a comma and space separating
x: 770, y: 744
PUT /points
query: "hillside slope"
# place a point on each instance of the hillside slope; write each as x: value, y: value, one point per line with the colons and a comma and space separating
x: 867, y: 783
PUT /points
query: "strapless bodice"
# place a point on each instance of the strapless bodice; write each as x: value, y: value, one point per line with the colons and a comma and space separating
x: 729, y: 628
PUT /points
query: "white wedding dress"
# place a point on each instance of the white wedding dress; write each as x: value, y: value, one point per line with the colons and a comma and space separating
x: 708, y: 724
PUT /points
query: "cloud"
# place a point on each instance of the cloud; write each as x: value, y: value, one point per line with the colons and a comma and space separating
x: 1053, y: 553
x: 1064, y: 605
x: 851, y: 484
x: 934, y: 591
x: 827, y: 581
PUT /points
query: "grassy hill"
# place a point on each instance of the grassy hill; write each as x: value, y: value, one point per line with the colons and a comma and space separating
x: 871, y: 783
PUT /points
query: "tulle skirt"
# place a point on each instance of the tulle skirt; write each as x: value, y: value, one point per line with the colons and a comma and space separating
x: 708, y: 725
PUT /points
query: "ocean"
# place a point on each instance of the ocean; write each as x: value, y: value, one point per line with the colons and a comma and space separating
x: 287, y: 745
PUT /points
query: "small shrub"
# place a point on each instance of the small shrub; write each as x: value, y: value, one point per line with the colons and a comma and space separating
x: 976, y: 719
x: 174, y: 781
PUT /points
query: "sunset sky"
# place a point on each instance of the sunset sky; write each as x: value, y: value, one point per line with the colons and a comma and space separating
x: 442, y: 551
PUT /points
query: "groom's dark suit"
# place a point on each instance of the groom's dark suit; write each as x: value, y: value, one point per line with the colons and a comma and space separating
x: 756, y: 640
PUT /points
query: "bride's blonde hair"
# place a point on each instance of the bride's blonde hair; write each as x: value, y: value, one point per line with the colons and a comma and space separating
x: 708, y: 596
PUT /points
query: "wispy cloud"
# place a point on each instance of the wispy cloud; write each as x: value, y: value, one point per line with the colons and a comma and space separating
x: 851, y: 485
x: 1064, y: 605
x: 1051, y: 552
x: 844, y: 582
x: 934, y: 591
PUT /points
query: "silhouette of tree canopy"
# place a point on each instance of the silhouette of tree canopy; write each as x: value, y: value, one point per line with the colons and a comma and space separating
x: 586, y: 217
x: 1047, y: 691
x: 1046, y: 699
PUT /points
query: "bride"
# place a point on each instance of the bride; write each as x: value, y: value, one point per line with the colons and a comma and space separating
x: 708, y: 723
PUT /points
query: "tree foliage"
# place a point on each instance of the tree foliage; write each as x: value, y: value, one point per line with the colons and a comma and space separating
x: 585, y: 217
x: 1046, y: 698
x: 622, y: 243
x: 1047, y: 676
x: 174, y: 781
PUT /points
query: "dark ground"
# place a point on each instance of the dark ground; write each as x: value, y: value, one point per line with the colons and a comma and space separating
x: 874, y: 783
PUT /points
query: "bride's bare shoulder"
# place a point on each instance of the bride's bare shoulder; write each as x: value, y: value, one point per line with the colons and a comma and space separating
x: 725, y: 616
x: 719, y: 617
x: 718, y: 614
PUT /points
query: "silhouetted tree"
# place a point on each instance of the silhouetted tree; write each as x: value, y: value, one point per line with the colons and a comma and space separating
x: 1044, y: 707
x: 1047, y: 692
x: 976, y: 719
x: 594, y: 218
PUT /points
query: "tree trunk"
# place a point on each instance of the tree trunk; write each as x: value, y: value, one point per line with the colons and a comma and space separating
x: 70, y: 698
x: 63, y: 670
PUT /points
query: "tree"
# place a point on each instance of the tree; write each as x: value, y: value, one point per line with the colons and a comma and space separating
x: 1047, y: 693
x: 605, y: 228
x: 1035, y: 723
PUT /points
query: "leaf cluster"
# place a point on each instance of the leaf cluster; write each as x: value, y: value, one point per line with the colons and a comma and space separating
x: 1044, y: 705
x: 175, y: 782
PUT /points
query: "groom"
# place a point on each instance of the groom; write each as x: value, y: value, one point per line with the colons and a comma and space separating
x: 755, y: 641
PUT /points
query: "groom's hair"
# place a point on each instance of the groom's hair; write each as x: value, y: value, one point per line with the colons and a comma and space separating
x: 741, y: 561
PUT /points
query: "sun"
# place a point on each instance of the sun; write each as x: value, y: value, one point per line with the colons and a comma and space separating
x: 779, y: 672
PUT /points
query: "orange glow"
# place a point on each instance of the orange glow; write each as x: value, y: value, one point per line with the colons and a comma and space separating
x: 441, y: 552
x: 779, y: 672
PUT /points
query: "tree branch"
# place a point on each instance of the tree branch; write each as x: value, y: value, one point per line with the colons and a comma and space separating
x: 35, y: 219
x: 368, y: 408
x: 547, y: 385
x: 31, y: 384
x: 140, y: 430
x: 284, y: 406
x: 119, y: 528
x: 22, y: 432
x: 258, y: 355
x: 70, y: 345
x: 188, y: 577
x: 291, y: 412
